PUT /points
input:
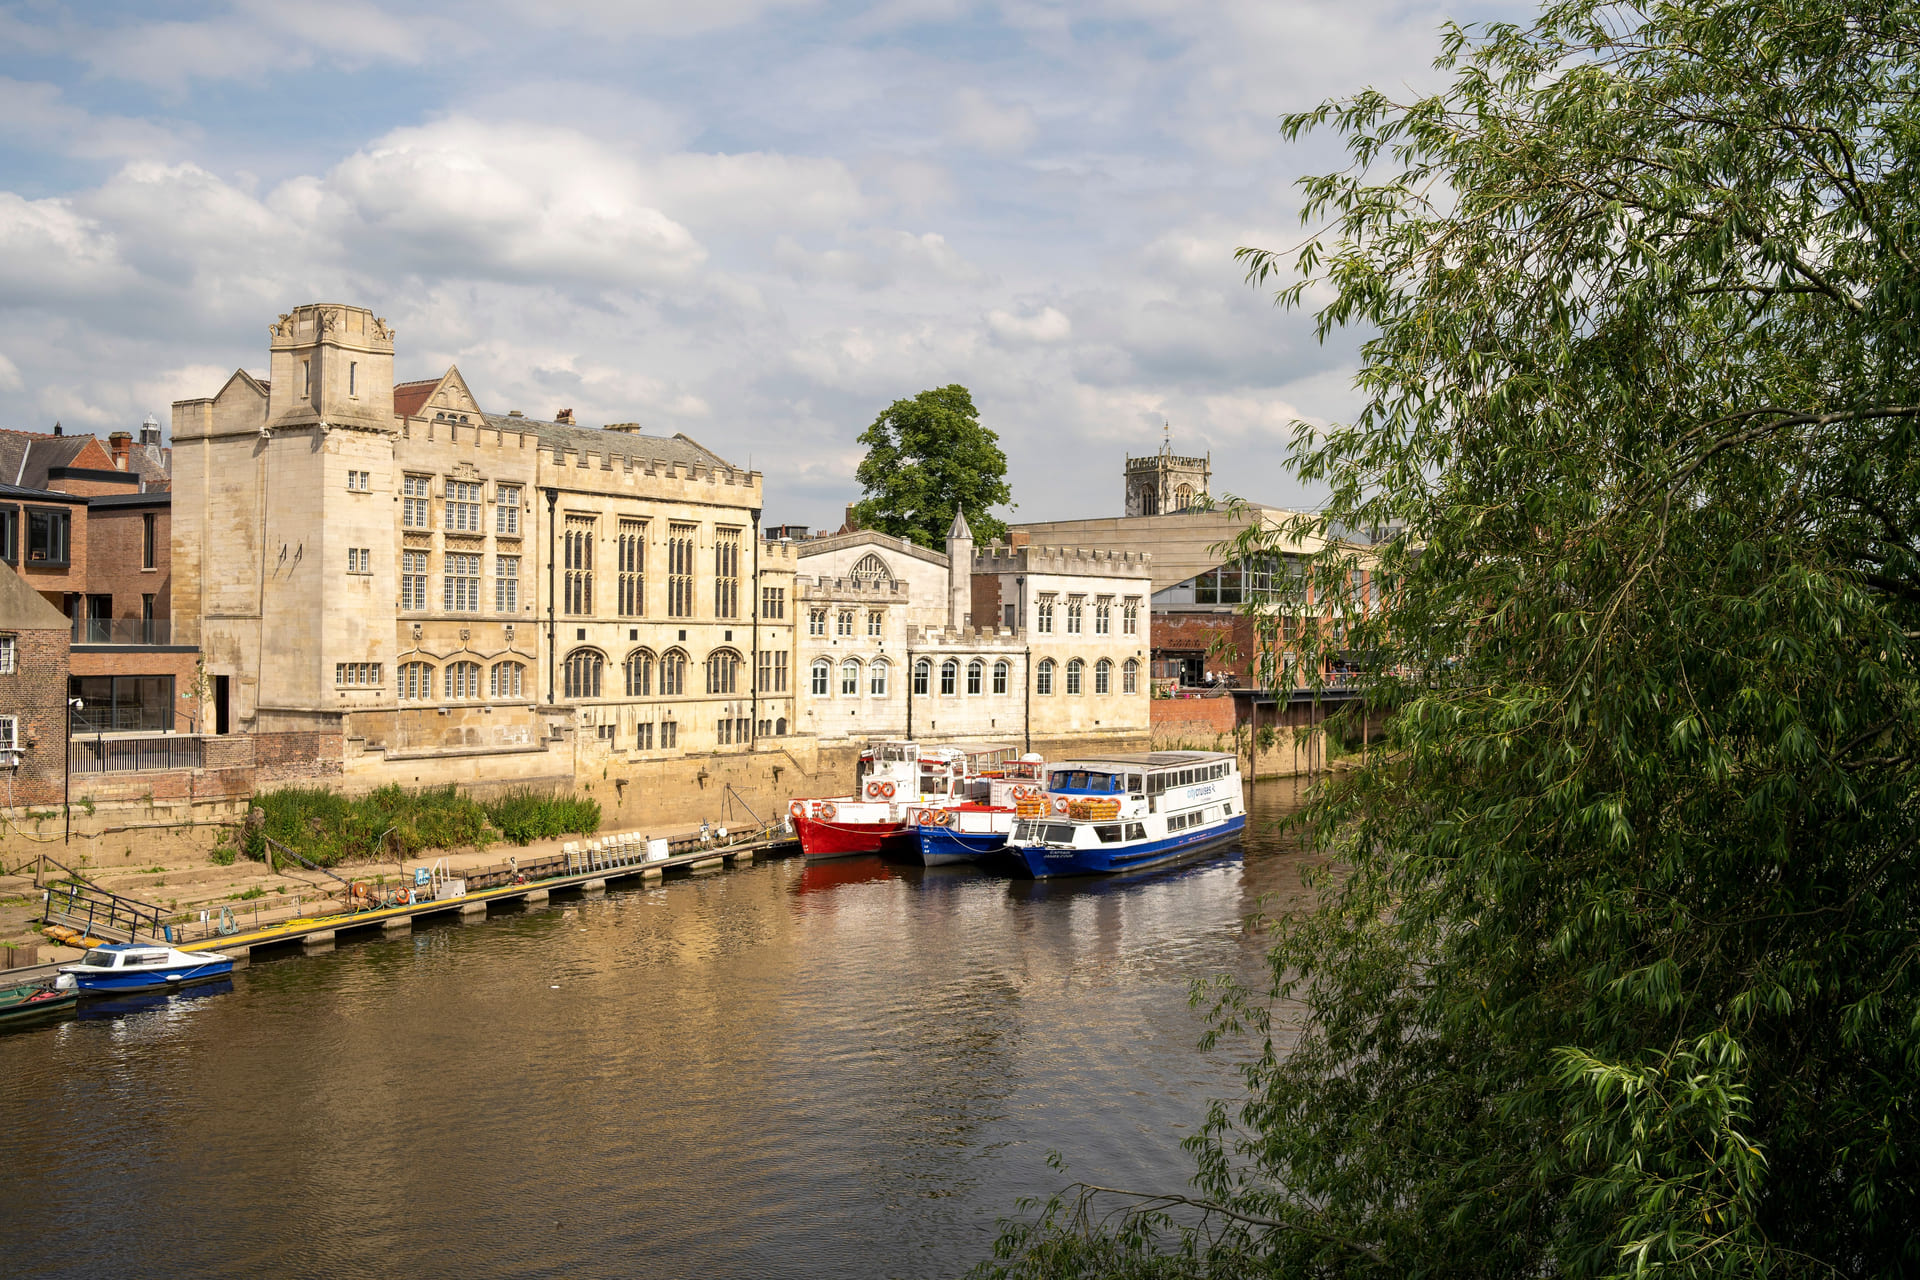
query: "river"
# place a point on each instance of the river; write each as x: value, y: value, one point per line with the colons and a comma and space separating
x: 850, y: 1069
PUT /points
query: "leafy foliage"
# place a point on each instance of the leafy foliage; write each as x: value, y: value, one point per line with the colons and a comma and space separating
x: 330, y: 828
x: 928, y: 458
x: 1621, y: 976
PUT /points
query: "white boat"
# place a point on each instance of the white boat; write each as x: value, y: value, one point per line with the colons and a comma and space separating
x: 1113, y: 814
x: 133, y: 966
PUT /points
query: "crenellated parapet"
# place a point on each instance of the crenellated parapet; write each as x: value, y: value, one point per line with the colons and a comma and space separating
x: 870, y: 590
x: 1093, y: 562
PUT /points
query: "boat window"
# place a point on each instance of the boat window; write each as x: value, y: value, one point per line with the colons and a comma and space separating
x: 1108, y: 833
x: 1156, y: 783
x: 1079, y: 782
x: 99, y: 959
x: 1058, y: 833
x: 1136, y: 831
x: 1135, y: 783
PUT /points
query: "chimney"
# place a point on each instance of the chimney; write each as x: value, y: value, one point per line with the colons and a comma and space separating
x: 57, y: 431
x: 122, y: 445
x: 564, y: 417
x: 853, y: 524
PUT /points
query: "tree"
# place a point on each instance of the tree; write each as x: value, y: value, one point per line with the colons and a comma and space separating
x: 1622, y: 971
x: 928, y: 458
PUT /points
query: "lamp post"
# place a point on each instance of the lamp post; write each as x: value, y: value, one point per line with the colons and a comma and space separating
x: 74, y: 707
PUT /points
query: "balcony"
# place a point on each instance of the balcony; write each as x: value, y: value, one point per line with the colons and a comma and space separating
x: 135, y: 755
x: 124, y: 631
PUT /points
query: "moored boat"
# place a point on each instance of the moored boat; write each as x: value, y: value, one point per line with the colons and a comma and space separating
x: 893, y: 780
x: 34, y: 1000
x: 133, y: 966
x: 1115, y: 814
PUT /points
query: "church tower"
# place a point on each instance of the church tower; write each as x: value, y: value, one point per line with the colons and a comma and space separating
x: 1164, y: 482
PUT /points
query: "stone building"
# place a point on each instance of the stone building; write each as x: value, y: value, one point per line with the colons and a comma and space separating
x: 1045, y: 648
x: 390, y: 583
x: 1162, y: 482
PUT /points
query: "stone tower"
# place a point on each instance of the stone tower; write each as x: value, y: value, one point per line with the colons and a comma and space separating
x: 959, y: 573
x: 1164, y: 482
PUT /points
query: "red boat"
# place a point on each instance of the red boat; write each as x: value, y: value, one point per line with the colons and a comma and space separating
x: 892, y: 780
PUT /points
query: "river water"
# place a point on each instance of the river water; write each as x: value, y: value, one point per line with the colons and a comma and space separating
x: 850, y: 1069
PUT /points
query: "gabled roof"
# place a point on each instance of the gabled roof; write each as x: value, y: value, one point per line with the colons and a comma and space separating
x: 27, y: 456
x: 408, y: 397
x: 24, y: 609
x: 869, y: 538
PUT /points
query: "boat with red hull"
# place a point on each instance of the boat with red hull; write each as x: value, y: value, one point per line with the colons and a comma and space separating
x: 892, y: 782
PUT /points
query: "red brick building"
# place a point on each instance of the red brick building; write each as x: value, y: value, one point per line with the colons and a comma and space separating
x: 33, y: 694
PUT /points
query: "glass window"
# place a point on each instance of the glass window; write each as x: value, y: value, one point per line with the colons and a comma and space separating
x: 673, y: 673
x: 461, y: 583
x: 463, y: 506
x: 949, y: 677
x: 578, y: 553
x: 506, y: 584
x: 849, y: 678
x: 816, y: 622
x: 822, y: 677
x: 680, y: 570
x: 874, y: 617
x: 976, y: 676
x: 1102, y: 618
x: 922, y: 677
x: 1043, y: 677
x: 1043, y: 616
x: 723, y: 671
x: 773, y: 602
x: 416, y: 681
x: 726, y: 573
x: 639, y: 670
x: 9, y: 655
x: 416, y: 502
x: 1130, y: 676
x: 1103, y: 676
x: 843, y: 625
x: 1074, y: 607
x: 413, y: 579
x: 1130, y: 618
x: 463, y: 680
x: 47, y: 536
x: 877, y: 678
x: 633, y: 568
x: 583, y: 668
x: 506, y: 680
x: 773, y: 671
x: 10, y: 534
x: 1075, y: 669
x: 506, y: 509
x: 1001, y: 670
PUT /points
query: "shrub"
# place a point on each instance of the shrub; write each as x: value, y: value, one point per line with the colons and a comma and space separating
x: 524, y: 815
x: 329, y: 828
x: 223, y: 855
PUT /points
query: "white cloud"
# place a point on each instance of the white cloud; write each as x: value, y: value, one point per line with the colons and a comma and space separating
x: 49, y: 251
x: 10, y: 379
x: 975, y: 120
x: 37, y: 116
x: 1046, y: 325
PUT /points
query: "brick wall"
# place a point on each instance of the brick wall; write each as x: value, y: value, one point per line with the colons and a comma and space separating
x: 37, y: 693
x: 55, y: 583
x: 1198, y: 632
x: 1173, y: 716
x: 115, y: 551
x: 986, y: 601
x: 296, y: 757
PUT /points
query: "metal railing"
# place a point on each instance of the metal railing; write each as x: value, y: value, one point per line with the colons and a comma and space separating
x: 73, y: 900
x: 122, y: 631
x: 135, y: 755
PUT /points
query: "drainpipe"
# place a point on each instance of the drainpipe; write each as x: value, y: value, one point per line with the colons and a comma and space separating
x: 909, y: 693
x: 553, y: 497
x: 753, y: 602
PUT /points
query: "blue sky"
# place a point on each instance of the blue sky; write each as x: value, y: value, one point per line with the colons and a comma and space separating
x: 754, y: 221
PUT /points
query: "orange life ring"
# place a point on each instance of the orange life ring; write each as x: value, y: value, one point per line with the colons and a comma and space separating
x: 1024, y: 792
x: 798, y: 808
x: 873, y: 790
x: 886, y: 789
x: 1059, y: 804
x: 945, y: 818
x: 827, y: 811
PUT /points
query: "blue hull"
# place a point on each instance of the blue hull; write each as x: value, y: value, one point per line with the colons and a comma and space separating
x: 108, y: 982
x: 1040, y: 862
x: 938, y: 846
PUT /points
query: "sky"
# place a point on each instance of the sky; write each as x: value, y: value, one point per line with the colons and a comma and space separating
x: 757, y: 222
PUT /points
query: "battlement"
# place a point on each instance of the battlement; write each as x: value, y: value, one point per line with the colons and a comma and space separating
x: 1064, y: 560
x: 965, y: 639
x: 1154, y: 461
x: 630, y: 465
x: 774, y: 553
x: 874, y: 590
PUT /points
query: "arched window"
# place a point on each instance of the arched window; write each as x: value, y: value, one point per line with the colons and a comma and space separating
x: 822, y: 677
x: 1183, y: 497
x: 950, y: 677
x: 416, y: 682
x: 1075, y: 670
x: 582, y: 673
x: 506, y: 680
x: 723, y: 671
x: 976, y: 676
x: 1043, y: 676
x: 673, y: 673
x: 639, y: 667
x: 922, y: 676
x: 463, y: 680
x: 1000, y: 671
x: 877, y: 677
x: 871, y: 569
x: 780, y: 727
x: 1130, y: 676
x: 1103, y: 676
x: 850, y: 678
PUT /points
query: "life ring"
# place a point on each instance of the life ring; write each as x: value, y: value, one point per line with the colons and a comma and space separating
x: 827, y: 811
x: 944, y: 817
x: 1024, y: 792
x: 798, y: 808
x: 1059, y: 804
x: 886, y: 789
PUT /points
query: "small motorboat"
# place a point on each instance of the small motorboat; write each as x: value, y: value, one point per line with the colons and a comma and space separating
x: 119, y: 967
x: 35, y: 999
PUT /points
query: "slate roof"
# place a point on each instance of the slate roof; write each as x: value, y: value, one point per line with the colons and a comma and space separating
x: 27, y: 456
x: 677, y: 448
x: 23, y: 493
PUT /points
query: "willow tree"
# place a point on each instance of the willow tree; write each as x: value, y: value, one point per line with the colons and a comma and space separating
x: 1621, y: 975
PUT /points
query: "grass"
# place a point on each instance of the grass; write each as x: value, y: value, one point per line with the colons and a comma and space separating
x: 223, y: 855
x: 330, y: 828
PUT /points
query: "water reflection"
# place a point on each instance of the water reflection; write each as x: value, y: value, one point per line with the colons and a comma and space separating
x: 844, y: 1069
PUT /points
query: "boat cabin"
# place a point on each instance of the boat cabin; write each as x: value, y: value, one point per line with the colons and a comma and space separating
x: 110, y: 956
